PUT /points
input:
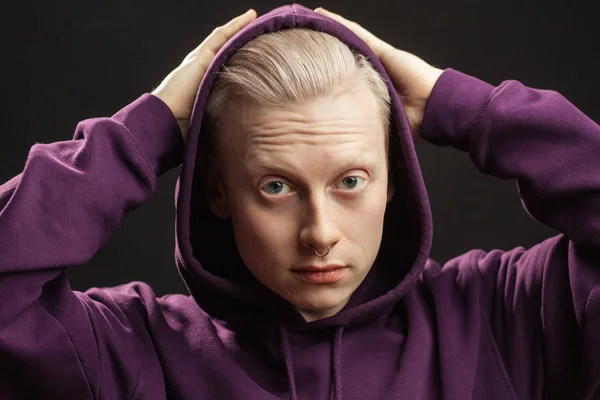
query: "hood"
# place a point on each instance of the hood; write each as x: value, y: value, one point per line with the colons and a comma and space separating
x: 206, y: 255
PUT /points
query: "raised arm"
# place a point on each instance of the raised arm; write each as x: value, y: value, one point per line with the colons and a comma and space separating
x: 70, y: 197
x: 56, y: 214
x: 73, y: 194
x: 543, y: 303
x: 534, y: 136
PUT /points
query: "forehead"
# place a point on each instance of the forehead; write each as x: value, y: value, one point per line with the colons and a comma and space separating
x: 348, y: 116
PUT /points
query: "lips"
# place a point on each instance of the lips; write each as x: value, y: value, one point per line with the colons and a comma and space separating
x: 321, y: 274
x: 319, y: 268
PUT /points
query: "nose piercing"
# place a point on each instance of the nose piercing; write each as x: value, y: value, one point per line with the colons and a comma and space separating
x: 322, y: 255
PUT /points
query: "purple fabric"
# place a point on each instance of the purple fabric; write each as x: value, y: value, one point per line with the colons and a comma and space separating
x: 518, y: 324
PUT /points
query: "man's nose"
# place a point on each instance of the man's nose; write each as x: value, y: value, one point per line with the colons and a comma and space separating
x: 319, y: 231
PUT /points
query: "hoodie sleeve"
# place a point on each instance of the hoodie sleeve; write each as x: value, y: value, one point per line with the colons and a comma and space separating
x: 544, y: 302
x: 70, y: 197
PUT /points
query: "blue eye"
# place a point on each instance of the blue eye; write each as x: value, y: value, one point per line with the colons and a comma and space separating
x: 276, y: 187
x: 352, y: 182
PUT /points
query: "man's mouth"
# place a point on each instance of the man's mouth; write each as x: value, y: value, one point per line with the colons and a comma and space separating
x: 330, y: 273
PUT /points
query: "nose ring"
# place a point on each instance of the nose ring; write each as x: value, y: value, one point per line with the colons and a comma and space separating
x: 322, y: 255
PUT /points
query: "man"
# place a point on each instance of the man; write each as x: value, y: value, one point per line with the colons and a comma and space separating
x: 497, y: 325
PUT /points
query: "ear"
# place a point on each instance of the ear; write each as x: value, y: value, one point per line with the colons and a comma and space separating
x: 390, y: 191
x: 217, y: 200
x: 215, y: 187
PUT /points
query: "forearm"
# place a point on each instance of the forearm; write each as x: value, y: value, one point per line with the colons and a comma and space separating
x: 73, y: 194
x: 534, y: 136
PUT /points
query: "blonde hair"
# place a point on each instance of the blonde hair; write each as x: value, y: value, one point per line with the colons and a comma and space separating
x: 288, y: 67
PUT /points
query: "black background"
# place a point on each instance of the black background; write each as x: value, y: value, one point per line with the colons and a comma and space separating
x: 66, y: 61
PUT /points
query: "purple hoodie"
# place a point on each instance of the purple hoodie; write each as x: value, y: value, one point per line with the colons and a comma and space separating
x: 518, y: 324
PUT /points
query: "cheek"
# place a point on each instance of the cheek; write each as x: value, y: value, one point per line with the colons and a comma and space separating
x: 261, y: 234
x: 364, y: 222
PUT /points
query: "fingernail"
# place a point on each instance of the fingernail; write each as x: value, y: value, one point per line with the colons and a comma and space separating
x: 249, y: 11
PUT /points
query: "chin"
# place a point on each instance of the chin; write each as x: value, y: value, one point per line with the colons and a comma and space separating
x: 321, y: 301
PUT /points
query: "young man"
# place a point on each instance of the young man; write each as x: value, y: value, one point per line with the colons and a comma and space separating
x: 302, y: 304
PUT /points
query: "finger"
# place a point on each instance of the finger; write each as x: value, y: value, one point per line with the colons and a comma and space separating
x: 361, y: 32
x: 349, y: 24
x: 220, y: 35
x: 371, y: 40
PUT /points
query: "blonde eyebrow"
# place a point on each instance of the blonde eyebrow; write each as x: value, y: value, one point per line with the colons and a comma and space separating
x: 360, y: 160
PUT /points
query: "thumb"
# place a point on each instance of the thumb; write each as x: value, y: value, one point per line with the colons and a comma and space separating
x: 377, y: 45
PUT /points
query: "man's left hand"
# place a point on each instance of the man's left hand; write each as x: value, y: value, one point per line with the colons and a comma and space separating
x: 412, y: 77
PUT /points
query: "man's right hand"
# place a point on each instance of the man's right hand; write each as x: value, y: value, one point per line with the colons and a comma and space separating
x: 178, y: 90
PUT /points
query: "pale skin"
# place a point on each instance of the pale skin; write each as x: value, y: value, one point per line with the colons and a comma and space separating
x: 305, y: 177
x: 178, y: 89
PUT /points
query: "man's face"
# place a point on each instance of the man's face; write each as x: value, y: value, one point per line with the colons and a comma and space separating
x: 306, y: 177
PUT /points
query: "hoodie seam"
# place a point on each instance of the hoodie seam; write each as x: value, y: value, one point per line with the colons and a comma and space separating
x: 491, y: 338
x: 139, y: 384
x: 77, y: 355
x: 596, y: 382
x: 138, y: 152
x: 481, y: 111
x: 491, y: 97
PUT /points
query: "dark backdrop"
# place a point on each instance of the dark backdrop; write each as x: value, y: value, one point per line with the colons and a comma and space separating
x: 66, y: 61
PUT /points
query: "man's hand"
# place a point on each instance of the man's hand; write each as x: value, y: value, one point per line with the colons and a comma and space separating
x: 412, y: 77
x: 178, y: 90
